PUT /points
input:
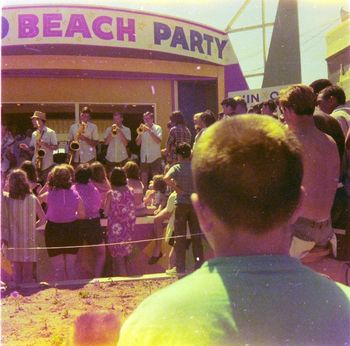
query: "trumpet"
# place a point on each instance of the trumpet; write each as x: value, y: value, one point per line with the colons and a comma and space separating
x: 115, y: 129
x: 141, y: 129
x: 74, y: 146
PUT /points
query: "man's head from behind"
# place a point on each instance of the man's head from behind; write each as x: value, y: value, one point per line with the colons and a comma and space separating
x: 183, y: 151
x: 320, y: 84
x: 299, y: 98
x: 248, y: 171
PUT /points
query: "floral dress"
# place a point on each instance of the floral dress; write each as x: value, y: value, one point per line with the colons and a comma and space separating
x: 121, y: 221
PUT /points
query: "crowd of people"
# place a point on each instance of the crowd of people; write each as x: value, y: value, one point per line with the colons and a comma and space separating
x: 74, y: 196
x: 266, y: 190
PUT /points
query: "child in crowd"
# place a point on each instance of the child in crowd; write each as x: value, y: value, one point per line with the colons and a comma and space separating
x: 132, y: 172
x: 90, y: 230
x: 179, y: 178
x: 20, y: 208
x: 101, y: 182
x: 120, y: 209
x: 165, y: 214
x: 29, y: 168
x: 160, y: 194
x: 156, y: 195
x: 149, y: 195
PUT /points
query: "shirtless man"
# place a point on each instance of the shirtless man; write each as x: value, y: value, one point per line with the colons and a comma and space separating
x: 321, y: 171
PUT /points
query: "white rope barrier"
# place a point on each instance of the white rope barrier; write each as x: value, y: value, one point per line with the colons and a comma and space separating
x: 98, y: 245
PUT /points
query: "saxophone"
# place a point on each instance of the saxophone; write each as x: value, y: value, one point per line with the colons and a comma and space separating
x: 39, y: 151
x: 74, y: 145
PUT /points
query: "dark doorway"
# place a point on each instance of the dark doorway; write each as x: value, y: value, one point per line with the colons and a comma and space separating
x: 197, y: 96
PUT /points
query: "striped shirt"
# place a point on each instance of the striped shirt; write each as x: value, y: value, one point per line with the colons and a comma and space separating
x: 18, y: 218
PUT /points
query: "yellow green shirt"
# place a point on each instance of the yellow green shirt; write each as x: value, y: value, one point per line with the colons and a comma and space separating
x: 251, y: 300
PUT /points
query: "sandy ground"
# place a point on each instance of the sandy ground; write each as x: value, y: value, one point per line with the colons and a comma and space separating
x: 45, y: 316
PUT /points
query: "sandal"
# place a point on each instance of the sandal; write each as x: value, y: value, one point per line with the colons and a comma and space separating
x: 154, y: 259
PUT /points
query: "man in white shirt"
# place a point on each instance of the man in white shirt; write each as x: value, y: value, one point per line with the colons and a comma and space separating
x: 86, y: 134
x: 149, y: 138
x: 42, y: 145
x: 117, y: 138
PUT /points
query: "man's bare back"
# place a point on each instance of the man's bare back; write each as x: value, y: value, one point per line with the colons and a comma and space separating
x: 321, y: 172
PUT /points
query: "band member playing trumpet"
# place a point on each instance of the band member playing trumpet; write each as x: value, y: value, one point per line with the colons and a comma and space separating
x: 42, y: 145
x: 117, y: 138
x: 87, y: 138
x: 149, y: 137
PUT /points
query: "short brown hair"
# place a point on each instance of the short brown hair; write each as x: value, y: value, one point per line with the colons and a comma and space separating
x: 207, y: 117
x: 178, y: 118
x: 336, y: 91
x: 300, y: 98
x: 18, y: 184
x: 248, y: 171
x: 118, y: 177
x: 132, y: 170
x: 229, y: 102
x: 29, y: 168
x: 83, y: 173
x: 159, y: 183
x: 241, y: 101
x: 98, y: 172
x: 60, y: 177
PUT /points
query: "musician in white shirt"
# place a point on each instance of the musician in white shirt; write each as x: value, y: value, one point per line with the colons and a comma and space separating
x: 149, y: 138
x: 117, y: 138
x: 88, y: 139
x: 42, y: 138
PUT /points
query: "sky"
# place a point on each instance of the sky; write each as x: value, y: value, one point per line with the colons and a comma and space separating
x: 316, y: 18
